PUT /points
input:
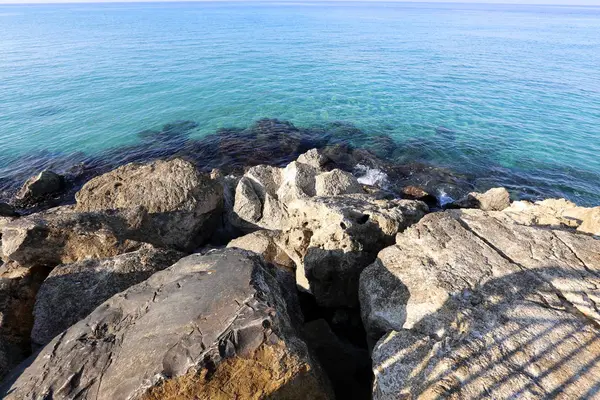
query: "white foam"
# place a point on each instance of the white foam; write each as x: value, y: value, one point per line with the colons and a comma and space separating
x: 371, y: 176
x: 444, y: 198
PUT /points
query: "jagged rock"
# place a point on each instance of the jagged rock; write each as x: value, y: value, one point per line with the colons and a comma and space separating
x: 557, y: 213
x: 177, y: 204
x: 336, y: 182
x: 316, y: 159
x: 39, y: 187
x: 329, y: 238
x: 471, y: 304
x: 265, y: 243
x: 72, y: 291
x: 18, y: 288
x: 335, y: 238
x: 183, y: 332
x: 6, y: 210
x: 61, y: 236
x: 417, y: 193
x: 496, y: 199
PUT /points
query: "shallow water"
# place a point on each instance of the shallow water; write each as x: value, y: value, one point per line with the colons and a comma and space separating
x: 509, y: 95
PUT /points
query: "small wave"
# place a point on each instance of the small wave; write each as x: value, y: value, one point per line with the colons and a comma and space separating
x: 371, y: 176
x: 444, y: 198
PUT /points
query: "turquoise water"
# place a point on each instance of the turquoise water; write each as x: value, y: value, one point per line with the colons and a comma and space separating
x: 510, y: 94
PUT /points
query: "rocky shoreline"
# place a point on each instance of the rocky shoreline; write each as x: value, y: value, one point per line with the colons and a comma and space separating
x: 329, y: 276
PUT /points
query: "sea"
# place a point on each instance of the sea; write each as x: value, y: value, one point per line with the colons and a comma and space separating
x: 504, y: 95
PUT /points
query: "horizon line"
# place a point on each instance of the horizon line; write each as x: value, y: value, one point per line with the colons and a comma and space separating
x: 492, y: 2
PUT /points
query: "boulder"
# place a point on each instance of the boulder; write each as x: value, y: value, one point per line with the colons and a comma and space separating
x: 417, y: 193
x: 61, y: 235
x: 316, y: 159
x: 212, y: 326
x: 178, y: 206
x: 265, y: 243
x: 471, y: 304
x: 334, y: 238
x: 18, y: 288
x: 496, y: 199
x: 336, y: 182
x: 39, y: 187
x: 6, y: 210
x: 72, y: 291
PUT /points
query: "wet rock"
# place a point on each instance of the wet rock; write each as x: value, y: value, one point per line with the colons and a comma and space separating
x: 177, y: 205
x: 61, y: 235
x: 336, y: 182
x: 6, y: 210
x: 185, y: 330
x: 472, y: 304
x: 496, y: 199
x: 265, y: 243
x: 417, y: 193
x: 39, y: 188
x: 72, y: 291
x: 18, y: 288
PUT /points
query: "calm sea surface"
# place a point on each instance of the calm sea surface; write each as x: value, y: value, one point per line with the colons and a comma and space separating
x: 510, y: 94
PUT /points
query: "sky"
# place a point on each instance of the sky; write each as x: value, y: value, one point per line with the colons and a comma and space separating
x: 552, y: 2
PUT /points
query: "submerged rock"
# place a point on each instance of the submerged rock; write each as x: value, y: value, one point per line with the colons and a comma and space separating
x: 213, y: 326
x: 176, y: 205
x: 470, y: 304
x: 72, y: 291
x: 39, y: 188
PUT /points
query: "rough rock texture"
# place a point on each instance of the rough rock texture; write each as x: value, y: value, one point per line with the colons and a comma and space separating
x: 176, y: 203
x: 336, y: 182
x: 479, y: 306
x: 265, y: 243
x: 18, y: 288
x: 334, y: 238
x: 39, y: 187
x: 62, y: 236
x: 72, y: 291
x: 204, y: 324
x: 6, y: 210
x: 557, y: 213
x: 329, y: 238
x: 496, y: 199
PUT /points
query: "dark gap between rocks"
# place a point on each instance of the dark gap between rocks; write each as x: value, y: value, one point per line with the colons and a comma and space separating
x: 336, y: 336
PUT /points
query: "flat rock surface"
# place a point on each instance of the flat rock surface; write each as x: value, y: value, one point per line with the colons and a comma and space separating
x: 216, y: 313
x: 469, y: 304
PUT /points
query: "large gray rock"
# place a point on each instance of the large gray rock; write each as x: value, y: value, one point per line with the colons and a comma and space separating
x: 61, y: 235
x: 213, y: 326
x: 470, y: 304
x: 39, y: 188
x: 177, y: 205
x: 72, y: 291
x: 18, y: 288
